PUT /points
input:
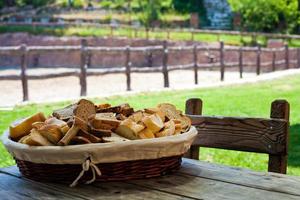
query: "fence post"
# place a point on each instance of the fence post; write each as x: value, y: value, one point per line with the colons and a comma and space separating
x: 241, y: 61
x: 258, y: 52
x: 128, y: 68
x: 83, y: 67
x: 273, y: 60
x: 165, y: 64
x: 298, y: 57
x: 222, y: 66
x: 287, y: 59
x: 195, y: 52
x: 24, y: 78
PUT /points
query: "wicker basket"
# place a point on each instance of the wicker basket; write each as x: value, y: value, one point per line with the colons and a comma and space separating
x: 119, y: 171
x: 124, y: 167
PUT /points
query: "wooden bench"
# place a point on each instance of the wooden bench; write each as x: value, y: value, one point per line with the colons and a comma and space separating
x: 258, y: 135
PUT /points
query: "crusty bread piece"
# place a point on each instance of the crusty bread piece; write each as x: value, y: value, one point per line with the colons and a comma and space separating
x: 65, y: 113
x: 52, y: 132
x: 153, y: 123
x: 89, y: 136
x: 55, y: 121
x: 146, y: 133
x: 169, y: 110
x: 124, y: 109
x: 136, y: 116
x: 114, y: 138
x: 82, y: 109
x: 185, y: 122
x: 79, y: 140
x: 103, y: 106
x: 158, y: 111
x: 100, y: 132
x: 36, y: 139
x: 129, y: 129
x: 64, y: 129
x: 22, y: 128
x: 111, y: 121
x: 168, y: 130
x: 24, y: 138
x: 37, y: 125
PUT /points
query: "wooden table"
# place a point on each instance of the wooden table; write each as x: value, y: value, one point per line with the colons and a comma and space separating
x: 195, y: 180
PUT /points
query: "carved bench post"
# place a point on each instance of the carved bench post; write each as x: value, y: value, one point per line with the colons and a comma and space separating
x: 280, y: 109
x: 193, y: 107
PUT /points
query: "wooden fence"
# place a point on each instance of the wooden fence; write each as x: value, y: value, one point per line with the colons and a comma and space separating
x: 167, y: 32
x: 86, y: 51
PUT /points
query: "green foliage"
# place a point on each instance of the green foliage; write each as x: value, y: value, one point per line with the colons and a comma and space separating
x: 267, y: 15
x: 150, y: 11
x: 34, y: 3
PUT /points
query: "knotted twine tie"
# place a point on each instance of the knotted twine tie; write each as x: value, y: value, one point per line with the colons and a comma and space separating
x: 85, y: 167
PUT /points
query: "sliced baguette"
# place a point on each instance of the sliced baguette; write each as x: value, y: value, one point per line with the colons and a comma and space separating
x: 52, y: 132
x: 36, y: 139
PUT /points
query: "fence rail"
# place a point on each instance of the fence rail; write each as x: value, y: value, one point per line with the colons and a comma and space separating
x: 85, y: 59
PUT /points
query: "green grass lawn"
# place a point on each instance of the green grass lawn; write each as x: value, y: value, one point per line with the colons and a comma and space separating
x: 242, y: 100
x: 125, y: 32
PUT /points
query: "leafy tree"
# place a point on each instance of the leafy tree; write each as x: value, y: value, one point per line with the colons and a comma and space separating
x: 150, y: 11
x: 267, y: 15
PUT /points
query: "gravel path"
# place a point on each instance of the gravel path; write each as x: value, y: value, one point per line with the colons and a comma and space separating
x: 68, y: 87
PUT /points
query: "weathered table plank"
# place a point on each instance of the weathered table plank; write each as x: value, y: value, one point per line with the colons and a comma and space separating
x: 108, y: 190
x: 261, y: 180
x: 195, y: 180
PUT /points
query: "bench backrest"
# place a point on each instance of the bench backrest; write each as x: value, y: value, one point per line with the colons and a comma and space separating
x: 259, y: 135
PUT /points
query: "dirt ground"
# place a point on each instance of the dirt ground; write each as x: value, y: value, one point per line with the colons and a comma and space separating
x: 68, y: 87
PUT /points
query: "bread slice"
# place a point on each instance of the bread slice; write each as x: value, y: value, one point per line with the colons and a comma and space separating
x: 79, y: 140
x: 114, y: 138
x: 52, y: 132
x: 158, y: 111
x: 146, y: 134
x: 100, y: 132
x: 137, y: 116
x: 168, y: 130
x: 36, y: 139
x: 65, y: 113
x: 55, y: 121
x: 169, y: 110
x: 185, y: 122
x: 129, y: 129
x: 22, y: 128
x: 90, y: 137
x: 153, y: 123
